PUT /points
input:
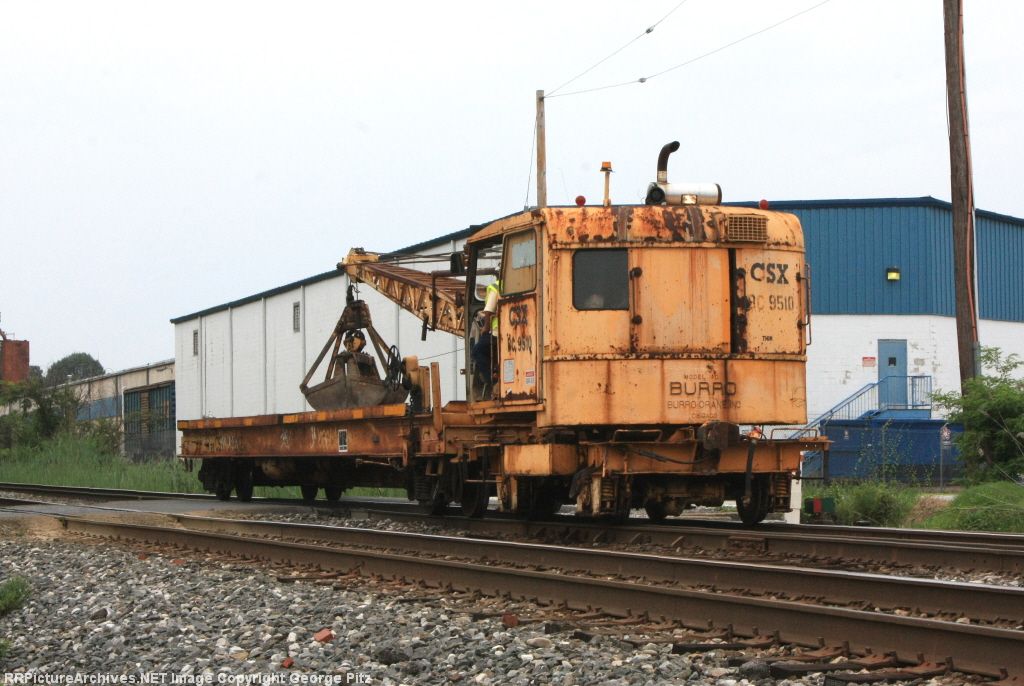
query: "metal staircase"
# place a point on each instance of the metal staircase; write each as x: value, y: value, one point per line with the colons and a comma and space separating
x: 893, y: 396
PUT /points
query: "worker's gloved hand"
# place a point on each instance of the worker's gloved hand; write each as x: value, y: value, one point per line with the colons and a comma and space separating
x: 481, y: 319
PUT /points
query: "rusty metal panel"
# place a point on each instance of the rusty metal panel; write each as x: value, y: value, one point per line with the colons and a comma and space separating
x: 772, y: 284
x: 540, y: 460
x: 395, y: 410
x: 680, y: 300
x: 571, y: 331
x: 519, y: 370
x: 354, y: 438
x: 229, y: 422
x: 673, y: 391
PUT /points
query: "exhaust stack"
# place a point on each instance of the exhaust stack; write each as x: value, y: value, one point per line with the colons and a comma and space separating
x: 662, y: 192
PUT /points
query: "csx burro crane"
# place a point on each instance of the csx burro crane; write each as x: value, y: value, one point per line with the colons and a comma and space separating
x: 616, y: 357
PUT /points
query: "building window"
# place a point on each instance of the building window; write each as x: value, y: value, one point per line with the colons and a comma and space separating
x: 600, y: 280
x: 296, y: 315
x: 195, y: 341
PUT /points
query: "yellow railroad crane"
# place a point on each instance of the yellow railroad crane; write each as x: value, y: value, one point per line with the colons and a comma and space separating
x: 615, y: 357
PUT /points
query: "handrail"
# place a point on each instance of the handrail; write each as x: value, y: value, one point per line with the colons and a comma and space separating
x: 875, y: 397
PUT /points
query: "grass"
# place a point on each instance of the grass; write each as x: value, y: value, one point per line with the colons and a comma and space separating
x: 995, y: 506
x: 875, y: 503
x: 74, y: 461
x: 71, y: 461
x: 13, y: 593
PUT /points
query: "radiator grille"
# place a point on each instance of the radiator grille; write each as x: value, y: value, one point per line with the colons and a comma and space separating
x: 747, y: 227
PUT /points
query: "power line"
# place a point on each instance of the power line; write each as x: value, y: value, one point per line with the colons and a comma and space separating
x: 648, y: 30
x: 529, y: 172
x: 645, y: 79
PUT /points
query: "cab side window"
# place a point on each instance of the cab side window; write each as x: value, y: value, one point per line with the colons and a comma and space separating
x: 519, y: 268
x: 600, y: 280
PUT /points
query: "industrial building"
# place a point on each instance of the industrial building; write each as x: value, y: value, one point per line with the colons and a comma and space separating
x: 140, y: 400
x: 882, y: 298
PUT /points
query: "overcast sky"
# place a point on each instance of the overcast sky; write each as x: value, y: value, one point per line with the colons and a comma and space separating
x: 160, y: 158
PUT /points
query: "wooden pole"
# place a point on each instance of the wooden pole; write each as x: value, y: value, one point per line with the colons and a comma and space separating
x: 962, y: 192
x: 542, y: 155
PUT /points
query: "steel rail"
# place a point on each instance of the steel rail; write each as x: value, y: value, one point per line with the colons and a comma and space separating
x: 976, y: 601
x: 749, y: 541
x: 940, y: 537
x: 978, y: 649
x: 1000, y: 553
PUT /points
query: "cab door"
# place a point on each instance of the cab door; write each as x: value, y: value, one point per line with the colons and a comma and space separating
x: 518, y: 321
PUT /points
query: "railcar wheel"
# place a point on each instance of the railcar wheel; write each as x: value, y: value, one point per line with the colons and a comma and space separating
x: 434, y: 506
x: 309, y: 492
x: 537, y: 499
x: 223, y: 489
x: 475, y: 498
x: 760, y: 502
x: 332, y: 493
x: 656, y: 510
x: 243, y: 482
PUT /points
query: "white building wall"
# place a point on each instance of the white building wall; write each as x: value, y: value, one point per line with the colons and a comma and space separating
x: 187, y: 371
x: 252, y: 360
x: 285, y: 358
x: 841, y: 345
x: 247, y: 391
x: 215, y: 348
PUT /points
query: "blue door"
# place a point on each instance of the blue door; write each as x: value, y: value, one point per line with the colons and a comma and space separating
x: 892, y: 362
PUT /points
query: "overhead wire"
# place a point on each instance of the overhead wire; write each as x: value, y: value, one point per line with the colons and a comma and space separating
x: 645, y: 79
x: 597, y: 64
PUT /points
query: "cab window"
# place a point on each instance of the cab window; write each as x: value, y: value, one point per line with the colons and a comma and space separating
x: 519, y: 270
x: 600, y: 280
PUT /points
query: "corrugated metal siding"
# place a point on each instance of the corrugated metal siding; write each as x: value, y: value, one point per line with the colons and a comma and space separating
x: 849, y: 249
x: 1000, y: 266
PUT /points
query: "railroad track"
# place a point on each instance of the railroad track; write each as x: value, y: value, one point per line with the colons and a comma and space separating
x: 977, y: 627
x: 833, y: 546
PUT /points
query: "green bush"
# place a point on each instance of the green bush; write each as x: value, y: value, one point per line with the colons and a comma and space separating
x: 991, y: 410
x: 876, y: 504
x: 996, y: 506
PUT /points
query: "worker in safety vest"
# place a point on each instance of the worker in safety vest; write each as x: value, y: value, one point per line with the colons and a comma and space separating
x: 485, y: 350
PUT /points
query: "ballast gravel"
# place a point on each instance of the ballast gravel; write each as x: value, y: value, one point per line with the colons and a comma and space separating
x: 100, y: 610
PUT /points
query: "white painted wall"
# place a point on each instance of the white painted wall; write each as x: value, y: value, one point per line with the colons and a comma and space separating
x: 835, y: 359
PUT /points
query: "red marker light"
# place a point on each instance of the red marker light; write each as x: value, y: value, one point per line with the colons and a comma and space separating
x: 580, y: 201
x: 763, y: 204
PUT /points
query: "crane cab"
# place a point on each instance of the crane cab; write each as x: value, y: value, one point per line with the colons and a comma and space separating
x: 640, y: 315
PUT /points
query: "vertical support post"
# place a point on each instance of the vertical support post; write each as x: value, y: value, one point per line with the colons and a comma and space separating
x: 542, y: 155
x: 962, y: 192
x: 435, y: 395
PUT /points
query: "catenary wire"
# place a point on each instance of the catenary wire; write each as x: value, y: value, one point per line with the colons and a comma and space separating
x: 646, y: 31
x: 645, y: 79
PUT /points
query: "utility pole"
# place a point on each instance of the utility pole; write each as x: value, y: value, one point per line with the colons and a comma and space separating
x: 542, y: 155
x: 962, y: 192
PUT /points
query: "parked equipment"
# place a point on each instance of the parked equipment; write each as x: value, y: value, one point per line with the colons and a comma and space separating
x: 616, y: 357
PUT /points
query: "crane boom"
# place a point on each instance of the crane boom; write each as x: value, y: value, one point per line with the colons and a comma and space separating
x: 434, y: 297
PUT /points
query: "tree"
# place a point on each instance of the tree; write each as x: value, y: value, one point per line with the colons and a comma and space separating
x: 72, y: 368
x: 991, y: 409
x: 35, y: 412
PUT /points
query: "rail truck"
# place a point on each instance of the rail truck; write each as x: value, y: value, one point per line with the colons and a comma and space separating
x: 616, y: 357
